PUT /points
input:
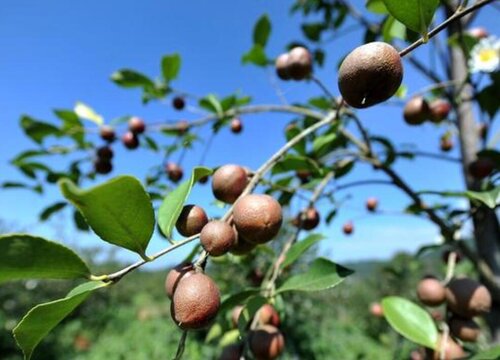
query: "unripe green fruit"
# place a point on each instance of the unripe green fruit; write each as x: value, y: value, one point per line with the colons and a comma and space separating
x: 257, y: 218
x: 268, y: 315
x: 236, y: 126
x: 217, y: 237
x: 191, y: 220
x: 468, y: 298
x: 175, y: 275
x: 196, y: 302
x: 464, y: 329
x: 431, y: 292
x: 370, y: 74
x: 130, y: 140
x: 416, y: 111
x: 228, y: 182
x: 266, y: 342
x: 174, y: 172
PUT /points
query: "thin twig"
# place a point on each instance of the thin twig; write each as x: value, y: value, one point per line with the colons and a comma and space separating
x: 181, y: 346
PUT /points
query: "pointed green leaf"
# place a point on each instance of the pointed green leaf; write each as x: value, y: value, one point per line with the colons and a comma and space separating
x: 490, y: 198
x: 322, y: 274
x: 86, y: 112
x: 212, y: 104
x: 256, y: 55
x: 410, y: 320
x: 71, y: 125
x: 261, y: 30
x: 170, y: 66
x: 301, y: 247
x: 25, y: 256
x: 292, y: 162
x: 130, y: 78
x: 251, y: 307
x: 40, y: 320
x: 236, y: 299
x: 119, y: 211
x: 414, y: 14
x: 171, y: 207
x: 38, y: 130
x: 51, y: 210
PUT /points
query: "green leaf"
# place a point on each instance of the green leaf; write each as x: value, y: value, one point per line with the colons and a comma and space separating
x: 414, y: 14
x: 86, y: 112
x: 236, y: 299
x: 40, y: 320
x: 71, y: 125
x: 251, y: 307
x: 261, y: 31
x: 313, y: 31
x: 376, y: 6
x: 490, y: 354
x: 256, y: 55
x: 119, y: 211
x: 301, y: 247
x: 170, y: 66
x: 38, y: 130
x: 322, y: 274
x: 393, y: 29
x: 291, y: 162
x: 25, y: 256
x: 410, y: 320
x: 290, y: 133
x: 52, y: 209
x: 488, y: 99
x: 171, y: 207
x: 212, y: 104
x: 131, y: 78
x: 325, y: 143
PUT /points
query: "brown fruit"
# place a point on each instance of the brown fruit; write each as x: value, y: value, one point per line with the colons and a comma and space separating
x: 103, y: 166
x: 217, y: 237
x: 235, y: 315
x: 431, y: 292
x: 228, y: 182
x: 481, y: 168
x: 174, y: 172
x: 232, y: 352
x: 478, y: 32
x: 452, y: 350
x: 371, y: 204
x: 104, y: 152
x: 370, y: 74
x: 376, y: 310
x: 439, y: 109
x: 236, y: 126
x: 130, y: 140
x: 299, y: 63
x: 464, y: 329
x: 257, y: 218
x: 196, y: 302
x: 178, y: 103
x: 446, y: 144
x: 175, y: 275
x: 107, y: 133
x: 308, y: 219
x: 266, y: 342
x: 303, y: 175
x: 136, y: 125
x: 268, y: 315
x: 467, y: 297
x: 191, y: 220
x: 348, y: 228
x: 483, y: 130
x: 203, y: 179
x: 416, y: 111
x: 182, y: 127
x: 241, y: 246
x: 417, y: 355
x: 282, y: 66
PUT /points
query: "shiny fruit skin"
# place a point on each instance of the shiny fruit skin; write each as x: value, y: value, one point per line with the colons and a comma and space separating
x: 376, y: 310
x: 241, y: 246
x: 136, y: 125
x: 467, y: 297
x: 266, y: 342
x: 268, y: 315
x: 175, y: 275
x: 416, y: 111
x: 236, y: 126
x: 446, y: 144
x: 130, y: 140
x: 196, y: 302
x: 282, y: 66
x: 348, y: 228
x: 178, y: 103
x: 174, y: 172
x: 464, y: 329
x: 439, y: 109
x: 107, y: 133
x: 257, y: 218
x: 453, y: 351
x: 232, y: 352
x: 431, y: 292
x: 299, y: 63
x: 191, y: 220
x: 370, y: 74
x: 228, y: 182
x: 103, y: 166
x: 217, y: 237
x: 371, y: 204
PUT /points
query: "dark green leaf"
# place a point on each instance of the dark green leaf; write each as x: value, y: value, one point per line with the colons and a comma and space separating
x: 292, y: 162
x: 261, y: 31
x: 490, y: 198
x: 376, y: 6
x: 411, y: 321
x: 170, y: 66
x: 321, y: 102
x: 322, y: 274
x: 119, y: 211
x: 38, y: 130
x: 256, y: 55
x: 171, y: 207
x: 324, y: 144
x: 130, y: 78
x: 415, y: 14
x: 393, y: 29
x: 236, y: 299
x: 490, y: 354
x: 20, y: 158
x: 301, y: 247
x: 290, y: 133
x: 212, y: 104
x: 52, y: 209
x: 40, y: 320
x: 30, y: 257
x: 319, y: 57
x: 313, y: 31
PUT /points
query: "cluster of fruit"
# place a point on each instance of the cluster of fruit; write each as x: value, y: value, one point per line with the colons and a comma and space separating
x: 296, y: 64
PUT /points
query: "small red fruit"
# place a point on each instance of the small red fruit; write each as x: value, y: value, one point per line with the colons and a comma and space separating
x: 268, y: 315
x: 103, y: 166
x: 174, y: 172
x: 217, y: 237
x: 107, y: 133
x: 348, y: 228
x: 130, y: 140
x: 446, y: 144
x: 136, y: 125
x: 431, y: 292
x: 439, y: 109
x: 266, y: 342
x: 416, y: 111
x: 236, y: 126
x: 191, y: 220
x: 299, y: 63
x: 308, y: 219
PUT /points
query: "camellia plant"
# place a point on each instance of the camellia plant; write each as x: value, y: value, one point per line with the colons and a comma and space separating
x: 326, y: 139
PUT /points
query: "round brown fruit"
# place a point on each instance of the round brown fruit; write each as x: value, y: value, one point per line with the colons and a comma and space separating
x: 464, y: 329
x: 431, y: 292
x: 191, y: 220
x: 268, y: 315
x: 104, y: 152
x: 416, y: 111
x: 478, y: 32
x: 178, y: 103
x: 196, y: 302
x: 174, y: 172
x: 376, y: 310
x: 299, y: 63
x: 235, y: 315
x: 228, y: 182
x: 267, y: 342
x: 467, y: 297
x: 241, y: 246
x: 103, y: 166
x: 348, y: 228
x: 217, y: 237
x: 236, y: 126
x: 130, y: 140
x: 203, y: 179
x: 282, y: 66
x: 107, y: 133
x: 370, y: 74
x: 257, y: 218
x: 175, y: 275
x: 371, y: 204
x: 440, y: 109
x: 308, y: 219
x: 483, y: 130
x: 303, y: 175
x: 452, y: 350
x: 232, y: 352
x: 481, y: 168
x: 445, y: 144
x: 136, y: 125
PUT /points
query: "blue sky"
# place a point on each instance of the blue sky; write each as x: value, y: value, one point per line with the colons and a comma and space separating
x: 58, y: 52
